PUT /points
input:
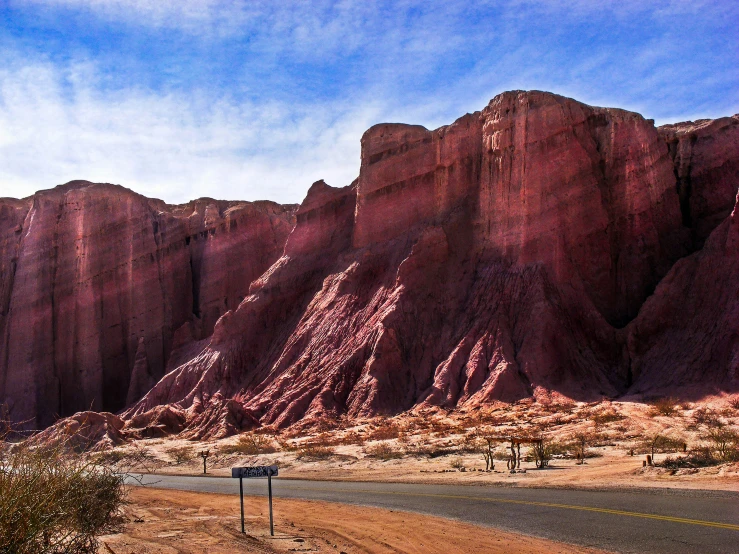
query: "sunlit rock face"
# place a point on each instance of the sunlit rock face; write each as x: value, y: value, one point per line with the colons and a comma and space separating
x: 539, y: 247
x: 97, y: 281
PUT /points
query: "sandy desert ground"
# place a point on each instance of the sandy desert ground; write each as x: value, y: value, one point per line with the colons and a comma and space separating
x: 422, y: 447
x: 436, y: 447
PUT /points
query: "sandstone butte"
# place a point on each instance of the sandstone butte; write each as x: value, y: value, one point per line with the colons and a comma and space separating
x: 540, y: 247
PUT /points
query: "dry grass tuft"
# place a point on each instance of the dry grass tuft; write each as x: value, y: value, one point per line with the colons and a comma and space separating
x: 53, y: 500
x: 665, y: 407
x: 314, y: 452
x: 251, y: 444
x: 181, y: 454
x: 383, y: 451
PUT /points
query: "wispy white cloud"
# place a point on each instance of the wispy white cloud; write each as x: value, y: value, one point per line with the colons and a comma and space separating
x: 267, y: 129
x: 176, y: 146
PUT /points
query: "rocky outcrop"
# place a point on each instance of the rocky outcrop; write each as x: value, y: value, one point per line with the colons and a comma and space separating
x: 540, y: 247
x: 706, y: 166
x: 507, y: 255
x: 97, y: 280
x: 685, y: 341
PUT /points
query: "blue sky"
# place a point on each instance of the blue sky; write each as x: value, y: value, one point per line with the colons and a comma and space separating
x: 253, y: 100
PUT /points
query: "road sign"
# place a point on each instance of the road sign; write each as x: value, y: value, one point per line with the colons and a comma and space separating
x: 254, y: 471
x: 242, y: 473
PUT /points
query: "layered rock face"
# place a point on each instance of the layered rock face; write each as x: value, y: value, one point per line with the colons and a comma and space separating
x: 706, y: 168
x: 101, y: 288
x: 509, y: 254
x: 540, y: 247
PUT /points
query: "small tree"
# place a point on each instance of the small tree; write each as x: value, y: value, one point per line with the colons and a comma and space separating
x: 542, y: 452
x: 580, y: 442
x: 484, y: 441
x: 654, y: 442
x: 725, y: 442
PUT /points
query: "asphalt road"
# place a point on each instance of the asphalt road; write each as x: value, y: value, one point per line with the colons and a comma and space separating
x: 654, y: 521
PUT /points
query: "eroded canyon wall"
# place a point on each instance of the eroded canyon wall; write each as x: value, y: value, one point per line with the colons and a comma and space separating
x: 506, y: 255
x: 539, y: 247
x: 98, y: 280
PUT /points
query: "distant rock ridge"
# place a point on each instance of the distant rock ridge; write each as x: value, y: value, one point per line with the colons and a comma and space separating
x: 538, y: 247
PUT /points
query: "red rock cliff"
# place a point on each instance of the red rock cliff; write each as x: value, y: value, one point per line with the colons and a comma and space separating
x: 538, y: 247
x: 99, y: 284
x: 503, y: 256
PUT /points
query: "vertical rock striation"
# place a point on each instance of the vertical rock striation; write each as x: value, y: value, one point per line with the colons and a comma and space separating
x: 97, y: 279
x: 540, y: 247
x: 506, y: 255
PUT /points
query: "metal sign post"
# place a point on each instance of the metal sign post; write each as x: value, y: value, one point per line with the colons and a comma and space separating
x: 204, y: 454
x: 251, y: 472
x: 269, y: 488
x: 241, y: 494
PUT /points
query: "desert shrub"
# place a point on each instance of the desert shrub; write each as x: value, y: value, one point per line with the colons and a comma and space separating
x: 659, y: 443
x: 180, y: 454
x: 382, y: 451
x: 562, y: 407
x: 457, y: 463
x: 563, y: 449
x: 664, y: 407
x: 734, y: 403
x: 699, y: 457
x: 482, y: 440
x: 109, y: 457
x: 706, y: 416
x: 542, y: 453
x: 725, y: 442
x: 54, y: 501
x: 314, y: 452
x: 430, y: 450
x: 606, y: 416
x: 352, y: 437
x: 438, y: 427
x: 385, y: 430
x: 579, y: 443
x: 250, y: 444
x: 287, y: 446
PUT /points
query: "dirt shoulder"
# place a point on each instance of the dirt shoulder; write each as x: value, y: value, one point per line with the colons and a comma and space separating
x: 166, y: 521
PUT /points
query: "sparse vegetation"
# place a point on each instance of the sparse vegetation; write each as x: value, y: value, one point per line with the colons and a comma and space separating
x: 705, y: 416
x: 724, y: 442
x: 314, y: 452
x: 542, y: 453
x: 385, y: 430
x: 430, y: 450
x: 180, y: 454
x: 383, y: 451
x: 664, y: 407
x: 483, y: 440
x: 457, y: 463
x: 580, y: 442
x: 697, y: 458
x: 54, y: 501
x: 251, y: 444
x: 604, y: 417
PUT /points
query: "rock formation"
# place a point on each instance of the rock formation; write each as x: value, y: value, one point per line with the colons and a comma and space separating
x: 97, y: 281
x: 539, y: 247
